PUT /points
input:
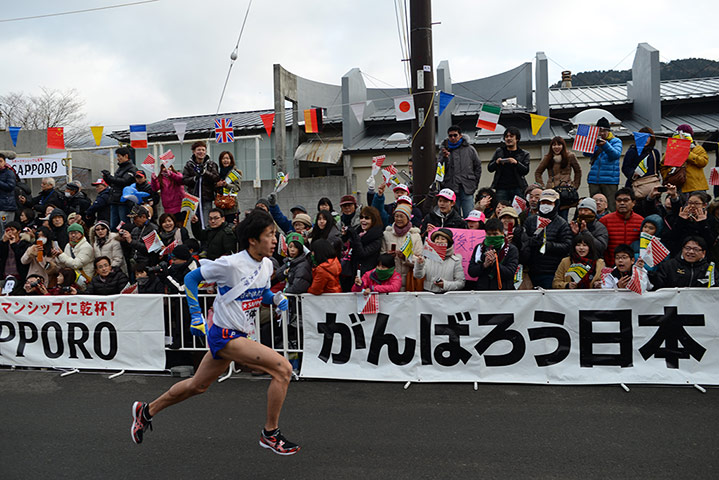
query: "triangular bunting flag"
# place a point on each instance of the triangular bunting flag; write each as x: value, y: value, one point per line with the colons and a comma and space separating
x: 97, y: 134
x: 268, y: 119
x: 640, y: 139
x: 13, y: 134
x: 444, y: 100
x: 537, y: 122
x: 489, y: 117
x: 358, y: 110
x: 677, y: 152
x: 180, y: 129
x: 138, y: 136
x: 56, y: 138
x: 404, y: 108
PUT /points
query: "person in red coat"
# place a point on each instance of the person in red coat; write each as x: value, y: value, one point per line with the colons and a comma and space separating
x: 383, y: 279
x: 624, y: 226
x: 326, y: 268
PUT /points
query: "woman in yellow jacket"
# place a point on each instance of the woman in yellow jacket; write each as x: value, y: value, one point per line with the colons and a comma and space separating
x: 696, y: 161
x: 587, y: 272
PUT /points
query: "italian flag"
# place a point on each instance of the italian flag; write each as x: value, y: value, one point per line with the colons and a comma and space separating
x: 488, y: 117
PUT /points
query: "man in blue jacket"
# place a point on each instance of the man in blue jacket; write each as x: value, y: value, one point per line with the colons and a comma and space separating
x: 604, y: 172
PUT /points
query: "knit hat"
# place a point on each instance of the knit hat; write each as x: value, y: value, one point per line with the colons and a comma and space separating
x: 182, y: 252
x: 603, y: 123
x: 304, y: 218
x: 550, y: 195
x: 588, y: 203
x: 347, y: 199
x: 76, y: 227
x: 404, y: 208
x: 657, y: 221
x: 446, y: 233
x: 104, y: 223
x: 686, y: 129
x: 295, y: 237
x: 298, y: 207
x: 263, y: 201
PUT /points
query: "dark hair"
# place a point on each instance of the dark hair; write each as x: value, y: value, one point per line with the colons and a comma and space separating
x: 2, y: 155
x: 325, y: 201
x: 29, y: 213
x: 124, y: 151
x: 386, y: 260
x: 625, y: 191
x: 322, y: 250
x: 564, y: 153
x: 232, y: 158
x: 68, y: 277
x: 32, y: 275
x: 101, y: 257
x: 694, y: 238
x: 512, y: 131
x: 588, y: 239
x: 140, y: 267
x: 624, y: 248
x: 703, y: 196
x: 487, y: 191
x: 494, y: 224
x: 651, y: 141
x: 198, y: 143
x: 373, y: 214
x: 164, y: 217
x: 318, y: 232
x: 216, y: 210
x: 252, y: 226
x: 454, y: 128
x: 192, y: 244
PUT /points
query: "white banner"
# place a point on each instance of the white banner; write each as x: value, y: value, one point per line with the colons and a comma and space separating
x: 40, y: 167
x: 555, y: 337
x: 83, y: 331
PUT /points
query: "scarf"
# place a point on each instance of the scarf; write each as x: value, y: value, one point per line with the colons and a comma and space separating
x: 167, y: 237
x: 401, y: 232
x: 453, y: 145
x: 381, y: 276
x: 347, y: 219
x: 586, y: 279
x: 224, y: 171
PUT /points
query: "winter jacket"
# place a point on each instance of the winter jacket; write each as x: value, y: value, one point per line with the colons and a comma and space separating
x: 281, y: 220
x: 298, y: 272
x: 558, y: 244
x: 110, y: 285
x: 439, y: 220
x: 696, y: 161
x: 326, y: 278
x: 139, y: 249
x: 370, y: 280
x: 605, y: 163
x: 201, y: 178
x: 78, y: 203
x: 45, y: 198
x: 599, y: 233
x: 18, y: 249
x: 46, y: 269
x: 621, y: 231
x: 487, y: 277
x: 462, y: 168
x: 632, y: 159
x: 677, y: 272
x: 680, y: 228
x: 59, y: 234
x: 562, y: 280
x: 79, y: 258
x: 169, y: 184
x: 124, y: 177
x: 7, y: 190
x: 111, y: 249
x: 100, y: 208
x: 402, y: 265
x: 556, y: 174
x: 153, y: 198
x: 507, y: 175
x: 152, y: 284
x: 365, y: 248
x: 449, y: 270
x: 216, y: 241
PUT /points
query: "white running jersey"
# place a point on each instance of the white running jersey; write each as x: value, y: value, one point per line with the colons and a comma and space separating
x: 243, y: 278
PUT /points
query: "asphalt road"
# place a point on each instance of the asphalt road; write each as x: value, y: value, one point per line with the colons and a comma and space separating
x: 79, y: 427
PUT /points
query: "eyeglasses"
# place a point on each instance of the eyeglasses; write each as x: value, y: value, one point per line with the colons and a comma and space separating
x: 215, y: 218
x: 453, y: 135
x: 365, y: 217
x: 623, y: 200
x: 695, y: 204
x: 692, y: 249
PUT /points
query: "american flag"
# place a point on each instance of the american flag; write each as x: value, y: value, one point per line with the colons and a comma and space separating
x: 586, y: 138
x: 224, y: 133
x: 168, y: 249
x: 368, y: 304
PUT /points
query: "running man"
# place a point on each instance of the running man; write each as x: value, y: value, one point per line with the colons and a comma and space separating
x: 243, y: 281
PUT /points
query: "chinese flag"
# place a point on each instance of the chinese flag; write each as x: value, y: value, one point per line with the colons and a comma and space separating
x: 55, y: 138
x: 677, y: 152
x: 313, y: 120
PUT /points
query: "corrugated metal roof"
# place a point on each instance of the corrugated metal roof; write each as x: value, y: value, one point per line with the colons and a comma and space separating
x: 691, y: 88
x: 322, y: 152
x: 585, y: 97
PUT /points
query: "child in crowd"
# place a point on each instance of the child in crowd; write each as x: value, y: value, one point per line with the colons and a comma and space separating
x: 475, y: 220
x: 445, y: 275
x: 621, y: 274
x: 495, y: 260
x: 326, y: 268
x: 297, y: 269
x: 383, y: 279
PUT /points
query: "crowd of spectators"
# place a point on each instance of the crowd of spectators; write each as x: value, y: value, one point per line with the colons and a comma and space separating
x: 535, y: 235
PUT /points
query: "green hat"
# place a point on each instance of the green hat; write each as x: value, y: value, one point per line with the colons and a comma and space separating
x: 295, y: 237
x: 76, y: 227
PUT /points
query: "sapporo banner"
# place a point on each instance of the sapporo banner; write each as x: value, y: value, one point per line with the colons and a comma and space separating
x: 39, y: 167
x: 559, y: 337
x: 75, y: 331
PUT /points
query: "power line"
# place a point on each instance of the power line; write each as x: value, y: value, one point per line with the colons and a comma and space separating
x: 233, y: 56
x: 77, y: 11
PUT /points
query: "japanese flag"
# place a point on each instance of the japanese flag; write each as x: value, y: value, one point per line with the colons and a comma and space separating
x: 404, y: 108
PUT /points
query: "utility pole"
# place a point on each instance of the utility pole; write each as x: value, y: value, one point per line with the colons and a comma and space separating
x: 423, y: 126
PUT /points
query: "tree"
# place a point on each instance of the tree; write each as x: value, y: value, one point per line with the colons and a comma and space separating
x: 51, y: 108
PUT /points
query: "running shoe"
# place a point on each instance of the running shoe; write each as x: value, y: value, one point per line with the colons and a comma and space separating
x: 139, y: 421
x: 278, y: 443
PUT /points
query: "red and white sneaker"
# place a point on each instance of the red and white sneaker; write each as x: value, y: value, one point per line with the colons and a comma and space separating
x: 140, y: 423
x: 278, y: 443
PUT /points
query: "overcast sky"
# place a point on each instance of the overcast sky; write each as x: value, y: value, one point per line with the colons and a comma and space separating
x: 144, y: 63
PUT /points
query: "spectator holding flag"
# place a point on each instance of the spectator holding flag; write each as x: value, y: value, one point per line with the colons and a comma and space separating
x: 582, y: 268
x: 141, y: 227
x: 559, y: 163
x: 495, y: 260
x: 200, y: 176
x: 463, y: 169
x: 169, y: 185
x: 170, y: 231
x: 697, y: 159
x: 604, y: 172
x: 645, y: 163
x: 383, y: 279
x: 403, y: 242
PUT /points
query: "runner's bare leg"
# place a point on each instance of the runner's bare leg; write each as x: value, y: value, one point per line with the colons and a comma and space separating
x: 256, y: 355
x: 206, y: 374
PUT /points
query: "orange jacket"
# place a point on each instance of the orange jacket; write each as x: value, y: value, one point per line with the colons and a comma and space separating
x: 326, y: 278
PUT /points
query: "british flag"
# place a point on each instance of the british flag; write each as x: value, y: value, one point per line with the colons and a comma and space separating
x: 224, y: 133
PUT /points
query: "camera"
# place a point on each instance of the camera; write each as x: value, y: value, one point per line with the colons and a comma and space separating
x: 662, y: 189
x: 34, y: 284
x: 65, y: 290
x: 159, y: 269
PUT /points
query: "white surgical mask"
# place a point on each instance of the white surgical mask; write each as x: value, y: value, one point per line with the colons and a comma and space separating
x: 544, y: 208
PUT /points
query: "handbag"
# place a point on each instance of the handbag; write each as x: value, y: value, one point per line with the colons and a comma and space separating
x: 225, y: 202
x: 677, y: 176
x: 568, y: 195
x: 643, y: 186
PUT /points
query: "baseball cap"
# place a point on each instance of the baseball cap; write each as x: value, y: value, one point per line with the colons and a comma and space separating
x: 404, y: 199
x: 550, y: 195
x: 347, y: 199
x: 401, y: 186
x: 509, y: 211
x: 100, y: 181
x: 448, y: 194
x: 476, y: 216
x: 138, y: 210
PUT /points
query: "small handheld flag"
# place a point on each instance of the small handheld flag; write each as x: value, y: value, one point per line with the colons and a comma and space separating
x: 585, y: 139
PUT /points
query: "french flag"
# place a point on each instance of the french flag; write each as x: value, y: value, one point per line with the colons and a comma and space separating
x: 138, y: 136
